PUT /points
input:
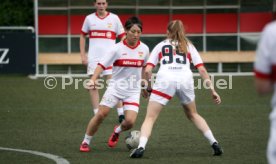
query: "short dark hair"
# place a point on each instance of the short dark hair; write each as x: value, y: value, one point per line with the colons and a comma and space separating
x: 132, y: 21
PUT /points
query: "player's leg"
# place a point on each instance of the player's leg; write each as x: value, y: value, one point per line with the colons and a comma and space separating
x: 160, y: 96
x: 109, y: 101
x: 131, y: 108
x: 93, y: 126
x: 120, y: 110
x: 202, y: 126
x: 94, y: 99
x: 153, y: 110
x: 94, y: 93
x: 185, y: 92
x: 127, y: 123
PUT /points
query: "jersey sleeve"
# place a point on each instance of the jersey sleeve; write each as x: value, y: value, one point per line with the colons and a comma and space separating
x: 154, y: 56
x: 119, y: 28
x: 109, y: 58
x: 195, y: 57
x: 85, y: 26
x: 263, y: 65
x: 146, y: 56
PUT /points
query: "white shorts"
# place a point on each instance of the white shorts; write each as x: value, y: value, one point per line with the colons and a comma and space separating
x: 163, y: 91
x: 93, y: 65
x: 111, y: 98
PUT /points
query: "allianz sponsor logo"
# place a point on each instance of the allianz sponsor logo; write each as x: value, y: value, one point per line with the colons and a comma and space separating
x: 101, y: 34
x: 136, y: 63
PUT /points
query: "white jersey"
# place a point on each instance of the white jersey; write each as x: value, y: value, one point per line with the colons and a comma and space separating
x: 265, y: 64
x: 265, y: 68
x: 127, y: 66
x: 102, y: 34
x: 174, y: 65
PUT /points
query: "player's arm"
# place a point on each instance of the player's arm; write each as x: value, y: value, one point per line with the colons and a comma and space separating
x: 205, y: 76
x: 263, y: 81
x: 263, y: 66
x: 104, y: 63
x: 84, y: 59
x: 93, y: 81
x: 120, y: 29
x: 99, y: 69
x: 148, y: 73
x: 263, y: 86
x: 146, y: 83
x: 198, y: 63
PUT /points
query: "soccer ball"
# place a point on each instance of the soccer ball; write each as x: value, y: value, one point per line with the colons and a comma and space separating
x: 132, y: 139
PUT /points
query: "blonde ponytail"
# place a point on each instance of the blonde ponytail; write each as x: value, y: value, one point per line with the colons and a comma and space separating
x: 176, y: 33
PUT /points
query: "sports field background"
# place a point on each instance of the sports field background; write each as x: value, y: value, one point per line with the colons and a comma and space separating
x: 54, y: 121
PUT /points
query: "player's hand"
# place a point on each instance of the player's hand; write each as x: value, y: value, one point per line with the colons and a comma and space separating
x: 216, y: 97
x: 84, y: 60
x: 91, y: 84
x: 146, y: 92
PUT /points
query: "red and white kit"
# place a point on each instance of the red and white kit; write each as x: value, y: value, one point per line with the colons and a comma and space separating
x: 125, y: 83
x: 174, y: 75
x: 102, y: 36
x: 265, y: 68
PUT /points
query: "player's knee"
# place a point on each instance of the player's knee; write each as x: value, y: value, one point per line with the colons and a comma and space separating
x: 101, y: 115
x: 129, y: 123
x: 190, y: 115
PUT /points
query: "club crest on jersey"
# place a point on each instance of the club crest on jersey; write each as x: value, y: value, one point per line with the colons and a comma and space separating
x: 109, y: 25
x: 140, y: 54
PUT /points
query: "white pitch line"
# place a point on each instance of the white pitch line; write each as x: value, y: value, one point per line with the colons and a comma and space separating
x: 57, y: 159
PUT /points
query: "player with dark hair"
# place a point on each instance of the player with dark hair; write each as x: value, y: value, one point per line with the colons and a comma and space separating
x: 128, y: 58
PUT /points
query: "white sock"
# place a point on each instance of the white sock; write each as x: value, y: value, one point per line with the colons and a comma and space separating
x: 210, y: 137
x: 118, y: 129
x: 87, y: 139
x: 142, y: 142
x: 120, y: 111
x: 95, y: 111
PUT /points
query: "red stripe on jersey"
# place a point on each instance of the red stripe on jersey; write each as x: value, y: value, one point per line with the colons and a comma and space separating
x: 129, y: 63
x: 131, y: 47
x: 101, y: 66
x: 261, y: 75
x: 271, y: 76
x: 161, y: 94
x: 189, y: 57
x: 84, y: 33
x: 160, y: 55
x: 150, y: 64
x: 102, y: 34
x: 110, y: 67
x: 198, y: 65
x: 131, y: 103
x: 121, y: 35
